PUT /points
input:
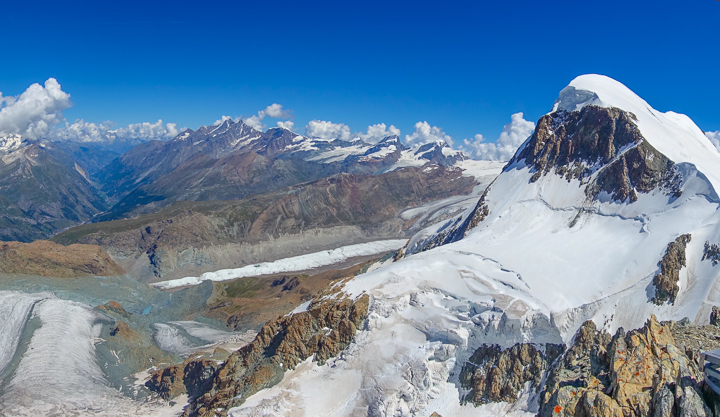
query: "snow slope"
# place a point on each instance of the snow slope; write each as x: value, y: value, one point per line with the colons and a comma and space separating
x: 544, y: 260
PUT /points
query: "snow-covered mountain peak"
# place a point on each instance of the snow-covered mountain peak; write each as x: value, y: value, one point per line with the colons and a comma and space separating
x: 10, y: 142
x: 674, y: 135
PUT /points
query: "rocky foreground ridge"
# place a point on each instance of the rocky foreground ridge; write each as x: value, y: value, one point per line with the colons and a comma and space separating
x: 323, y: 331
x: 652, y: 371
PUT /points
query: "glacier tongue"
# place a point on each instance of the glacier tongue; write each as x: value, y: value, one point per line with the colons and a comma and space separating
x: 59, y: 368
x: 15, y: 311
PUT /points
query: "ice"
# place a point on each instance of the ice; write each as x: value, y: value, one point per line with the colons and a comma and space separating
x: 674, y: 135
x: 15, y: 309
x: 170, y: 339
x: 296, y: 263
x: 59, y: 366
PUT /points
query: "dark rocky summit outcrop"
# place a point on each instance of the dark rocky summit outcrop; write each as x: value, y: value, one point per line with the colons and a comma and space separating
x: 579, y: 143
x: 665, y: 282
x: 495, y: 375
x: 324, y: 330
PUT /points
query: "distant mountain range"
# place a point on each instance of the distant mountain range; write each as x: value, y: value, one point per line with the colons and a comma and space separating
x: 49, y: 186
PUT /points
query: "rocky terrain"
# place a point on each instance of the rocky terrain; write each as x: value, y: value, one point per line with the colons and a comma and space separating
x: 666, y: 281
x: 190, y: 238
x: 322, y: 331
x: 652, y: 371
x: 50, y: 259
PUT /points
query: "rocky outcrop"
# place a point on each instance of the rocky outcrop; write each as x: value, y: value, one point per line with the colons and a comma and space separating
x: 641, y: 373
x: 323, y: 331
x: 604, y: 140
x: 711, y: 252
x: 493, y: 375
x: 192, y: 377
x: 665, y: 282
x: 49, y: 259
x: 715, y: 317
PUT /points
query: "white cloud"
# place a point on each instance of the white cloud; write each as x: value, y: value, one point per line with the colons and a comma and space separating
x: 35, y: 111
x: 714, y: 138
x: 327, y: 130
x: 255, y: 122
x: 219, y: 121
x: 512, y: 136
x: 376, y: 133
x: 274, y: 110
x: 289, y: 125
x: 82, y: 131
x: 424, y: 133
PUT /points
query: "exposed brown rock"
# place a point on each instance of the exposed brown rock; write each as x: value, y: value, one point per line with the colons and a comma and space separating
x: 324, y: 330
x: 49, y: 259
x: 178, y: 240
x: 665, y: 282
x: 642, y: 373
x: 123, y: 330
x: 495, y: 375
x: 575, y: 144
x: 192, y: 377
x: 115, y: 307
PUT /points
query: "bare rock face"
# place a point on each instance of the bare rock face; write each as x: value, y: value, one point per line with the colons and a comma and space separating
x: 715, y: 317
x: 324, y: 330
x: 49, y: 259
x: 642, y: 373
x: 192, y: 377
x: 495, y: 375
x: 666, y: 288
x: 711, y: 252
x: 578, y: 143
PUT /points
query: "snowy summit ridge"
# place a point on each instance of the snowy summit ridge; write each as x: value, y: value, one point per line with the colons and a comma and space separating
x: 673, y: 134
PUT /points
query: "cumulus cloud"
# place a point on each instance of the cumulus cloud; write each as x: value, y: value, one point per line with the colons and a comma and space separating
x: 274, y: 110
x: 512, y: 136
x: 35, y: 111
x: 82, y: 131
x: 714, y: 138
x: 289, y: 125
x: 327, y: 130
x: 376, y: 133
x: 220, y: 121
x: 424, y: 133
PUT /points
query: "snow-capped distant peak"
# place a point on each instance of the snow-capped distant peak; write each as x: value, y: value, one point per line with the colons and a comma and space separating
x: 672, y: 134
x: 10, y: 142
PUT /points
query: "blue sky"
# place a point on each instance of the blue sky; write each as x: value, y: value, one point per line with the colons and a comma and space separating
x: 463, y: 66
